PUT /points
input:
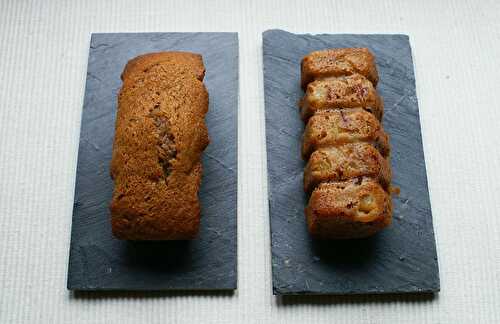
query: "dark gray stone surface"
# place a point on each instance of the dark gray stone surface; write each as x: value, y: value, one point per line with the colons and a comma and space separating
x: 100, y: 262
x: 402, y: 258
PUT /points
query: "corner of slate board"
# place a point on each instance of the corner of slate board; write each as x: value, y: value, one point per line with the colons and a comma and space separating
x: 100, y: 262
x: 400, y: 259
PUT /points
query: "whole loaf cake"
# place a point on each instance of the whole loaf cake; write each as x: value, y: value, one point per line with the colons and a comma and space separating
x: 346, y: 148
x: 159, y: 138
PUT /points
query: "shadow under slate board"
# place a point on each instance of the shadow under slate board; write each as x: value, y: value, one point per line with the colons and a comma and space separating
x: 400, y: 259
x: 100, y: 262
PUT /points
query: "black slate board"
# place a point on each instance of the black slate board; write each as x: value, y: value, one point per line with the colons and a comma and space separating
x: 100, y: 262
x: 402, y: 258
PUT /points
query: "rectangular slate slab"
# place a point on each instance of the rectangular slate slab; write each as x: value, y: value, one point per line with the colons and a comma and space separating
x: 400, y: 259
x: 100, y: 262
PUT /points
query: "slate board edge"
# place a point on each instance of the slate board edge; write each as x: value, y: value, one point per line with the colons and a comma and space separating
x: 69, y: 283
x: 329, y: 34
x: 284, y: 292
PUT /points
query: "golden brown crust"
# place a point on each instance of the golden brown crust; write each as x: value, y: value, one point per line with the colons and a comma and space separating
x: 346, y: 162
x: 338, y: 62
x: 353, y: 91
x: 159, y: 138
x: 350, y: 209
x: 336, y: 127
x: 182, y: 60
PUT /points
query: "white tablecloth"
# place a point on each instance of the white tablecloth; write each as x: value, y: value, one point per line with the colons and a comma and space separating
x: 43, y: 58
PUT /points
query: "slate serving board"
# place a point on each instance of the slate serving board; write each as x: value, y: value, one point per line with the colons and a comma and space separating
x: 400, y: 259
x: 100, y: 262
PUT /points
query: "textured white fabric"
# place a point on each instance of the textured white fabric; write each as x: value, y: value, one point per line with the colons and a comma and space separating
x: 43, y: 58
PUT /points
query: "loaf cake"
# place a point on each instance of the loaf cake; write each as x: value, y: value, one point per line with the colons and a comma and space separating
x: 353, y: 91
x: 160, y: 134
x: 348, y: 173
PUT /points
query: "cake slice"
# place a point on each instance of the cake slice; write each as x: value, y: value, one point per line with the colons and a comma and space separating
x: 337, y: 127
x: 345, y: 162
x: 341, y: 93
x: 338, y: 62
x: 354, y: 208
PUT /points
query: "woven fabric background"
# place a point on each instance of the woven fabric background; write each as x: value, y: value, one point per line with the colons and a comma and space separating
x: 43, y: 57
